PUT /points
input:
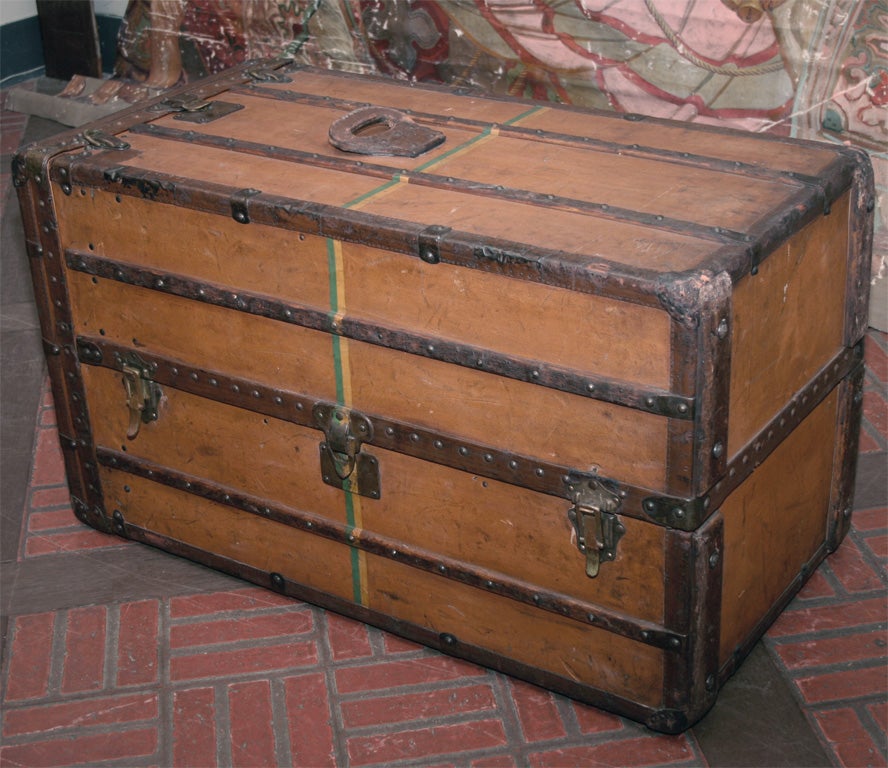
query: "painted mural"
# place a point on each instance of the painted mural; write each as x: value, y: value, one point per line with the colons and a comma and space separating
x: 814, y: 69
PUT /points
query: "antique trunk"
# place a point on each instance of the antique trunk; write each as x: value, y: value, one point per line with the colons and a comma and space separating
x: 569, y: 394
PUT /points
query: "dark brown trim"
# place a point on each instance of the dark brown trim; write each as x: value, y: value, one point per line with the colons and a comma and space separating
x: 444, y: 642
x: 694, y: 567
x: 785, y: 422
x: 742, y: 650
x: 860, y: 244
x: 465, y: 186
x: 633, y: 150
x: 465, y: 455
x: 656, y: 401
x: 54, y: 309
x: 848, y: 418
x: 514, y: 259
x: 490, y: 581
x: 714, y: 335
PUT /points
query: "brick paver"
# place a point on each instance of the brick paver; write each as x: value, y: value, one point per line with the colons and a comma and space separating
x: 247, y: 677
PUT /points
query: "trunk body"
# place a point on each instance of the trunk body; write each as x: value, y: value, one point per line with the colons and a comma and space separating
x: 571, y: 395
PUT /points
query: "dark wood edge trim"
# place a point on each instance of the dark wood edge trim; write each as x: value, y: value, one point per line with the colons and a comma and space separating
x: 689, y: 514
x: 778, y: 225
x: 46, y: 263
x: 446, y: 643
x: 649, y: 400
x: 659, y: 154
x: 514, y: 259
x: 392, y: 549
x: 742, y: 650
x: 848, y: 418
x: 767, y: 138
x: 465, y: 186
x: 791, y: 415
x: 694, y: 568
x: 713, y: 372
x: 408, y: 439
x: 860, y: 245
x: 701, y: 359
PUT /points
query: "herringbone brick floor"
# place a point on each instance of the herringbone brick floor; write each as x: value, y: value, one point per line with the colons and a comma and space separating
x: 181, y: 671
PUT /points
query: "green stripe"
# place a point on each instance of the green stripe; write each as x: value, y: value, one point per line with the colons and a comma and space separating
x: 337, y: 349
x: 395, y: 179
x: 334, y: 307
x: 438, y: 158
x: 340, y: 398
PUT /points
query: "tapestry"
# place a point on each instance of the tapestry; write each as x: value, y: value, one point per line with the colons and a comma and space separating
x: 813, y: 69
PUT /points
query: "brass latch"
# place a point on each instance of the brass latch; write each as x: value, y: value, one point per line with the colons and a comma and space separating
x: 142, y: 395
x: 597, y: 526
x: 343, y: 464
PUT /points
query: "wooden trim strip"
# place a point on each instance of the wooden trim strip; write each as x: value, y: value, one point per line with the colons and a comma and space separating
x: 464, y: 186
x: 742, y: 650
x: 571, y: 271
x: 443, y: 642
x: 589, y: 614
x: 398, y: 436
x: 694, y: 564
x: 846, y: 363
x: 660, y: 154
x: 650, y: 400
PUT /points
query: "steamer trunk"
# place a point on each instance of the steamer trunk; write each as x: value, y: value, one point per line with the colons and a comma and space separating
x: 572, y: 395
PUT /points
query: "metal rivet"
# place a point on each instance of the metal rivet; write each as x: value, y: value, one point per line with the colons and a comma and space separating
x: 713, y: 559
x: 710, y: 683
x: 722, y: 329
x: 488, y: 457
x: 513, y: 464
x: 718, y: 449
x: 439, y: 444
x: 463, y: 451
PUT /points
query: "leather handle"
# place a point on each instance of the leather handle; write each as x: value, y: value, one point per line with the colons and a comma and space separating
x: 382, y: 131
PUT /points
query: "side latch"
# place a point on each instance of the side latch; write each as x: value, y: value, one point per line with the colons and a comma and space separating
x: 142, y: 395
x: 343, y: 464
x: 595, y: 520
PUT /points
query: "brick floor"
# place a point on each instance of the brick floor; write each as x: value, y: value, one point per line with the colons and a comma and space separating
x: 247, y: 677
x: 243, y: 676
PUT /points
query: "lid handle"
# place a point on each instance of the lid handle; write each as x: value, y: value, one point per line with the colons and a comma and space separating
x: 382, y: 131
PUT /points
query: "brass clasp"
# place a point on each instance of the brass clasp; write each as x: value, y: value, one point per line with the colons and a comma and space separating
x: 597, y: 526
x: 343, y: 464
x: 142, y: 396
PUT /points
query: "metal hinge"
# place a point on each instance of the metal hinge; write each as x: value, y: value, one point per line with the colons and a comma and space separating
x: 142, y: 394
x: 597, y: 526
x: 100, y: 139
x: 343, y: 464
x: 193, y: 109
